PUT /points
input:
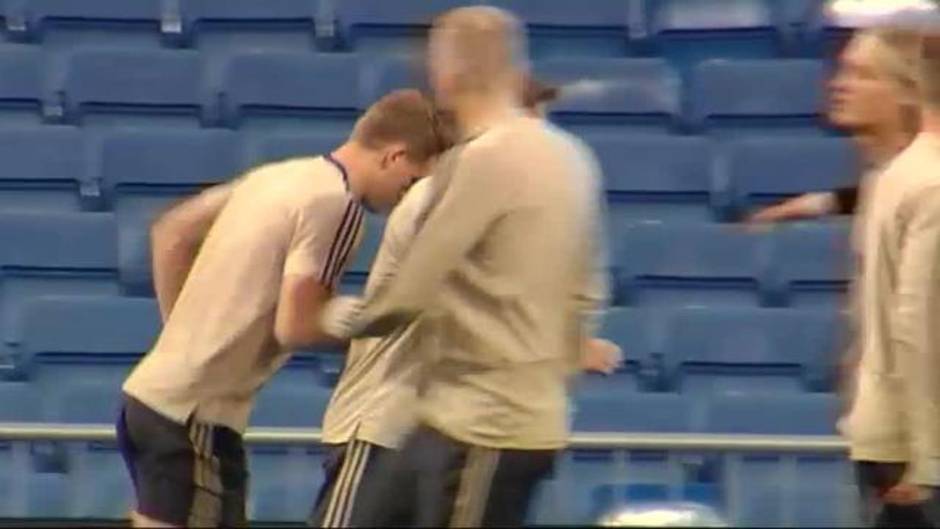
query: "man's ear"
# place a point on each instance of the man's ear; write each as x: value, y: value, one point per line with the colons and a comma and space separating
x: 393, y: 153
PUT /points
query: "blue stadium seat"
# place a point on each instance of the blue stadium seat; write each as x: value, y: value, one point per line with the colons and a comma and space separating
x: 48, y: 495
x: 48, y: 169
x: 814, y: 486
x: 111, y: 497
x: 14, y: 466
x: 822, y: 36
x: 65, y: 24
x: 688, y: 32
x: 168, y: 158
x: 89, y: 401
x: 88, y: 329
x: 766, y: 488
x: 92, y: 402
x: 638, y: 333
x: 635, y: 413
x: 318, y: 90
x: 284, y: 482
x: 690, y: 263
x: 559, y: 27
x: 584, y: 471
x: 292, y: 399
x: 57, y: 241
x: 812, y: 262
x: 764, y: 95
x: 756, y: 172
x: 143, y: 171
x: 127, y: 86
x: 735, y: 350
x: 382, y: 26
x: 634, y: 94
x: 21, y: 84
x: 224, y: 25
x: 382, y: 73
x: 23, y: 403
x: 773, y: 414
x: 274, y: 147
x: 62, y: 253
x: 652, y: 177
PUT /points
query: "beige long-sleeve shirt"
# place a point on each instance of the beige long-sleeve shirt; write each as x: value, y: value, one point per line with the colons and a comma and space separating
x: 376, y: 396
x: 501, y: 266
x: 896, y: 411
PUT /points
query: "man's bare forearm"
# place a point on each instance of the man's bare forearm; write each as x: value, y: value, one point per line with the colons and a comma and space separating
x: 173, y: 258
x: 175, y: 239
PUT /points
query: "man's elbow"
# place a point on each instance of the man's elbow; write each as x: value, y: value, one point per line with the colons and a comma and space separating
x: 167, y: 233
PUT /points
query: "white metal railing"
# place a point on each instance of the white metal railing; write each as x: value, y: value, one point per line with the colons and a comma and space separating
x: 623, y: 441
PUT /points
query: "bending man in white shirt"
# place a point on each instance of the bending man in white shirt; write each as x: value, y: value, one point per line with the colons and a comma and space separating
x: 239, y: 270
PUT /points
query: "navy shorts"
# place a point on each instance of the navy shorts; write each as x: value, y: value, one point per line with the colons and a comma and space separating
x: 350, y: 471
x: 187, y: 475
x: 441, y: 482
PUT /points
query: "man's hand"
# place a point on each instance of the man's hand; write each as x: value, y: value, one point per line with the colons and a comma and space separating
x: 340, y: 315
x: 601, y: 356
x: 905, y: 493
x: 769, y: 215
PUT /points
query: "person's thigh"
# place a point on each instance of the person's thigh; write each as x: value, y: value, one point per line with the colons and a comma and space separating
x: 387, y: 496
x: 379, y: 490
x: 162, y: 462
x: 353, y: 478
x: 229, y: 461
x: 332, y: 466
x: 463, y: 485
x: 514, y: 483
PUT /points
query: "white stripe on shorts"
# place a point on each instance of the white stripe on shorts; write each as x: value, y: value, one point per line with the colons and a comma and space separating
x: 343, y: 495
x: 473, y: 492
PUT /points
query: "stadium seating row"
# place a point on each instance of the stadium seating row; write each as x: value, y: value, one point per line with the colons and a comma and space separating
x: 691, y: 349
x: 299, y: 403
x: 654, y: 264
x: 612, y: 27
x: 658, y: 263
x: 647, y: 177
x: 93, y: 86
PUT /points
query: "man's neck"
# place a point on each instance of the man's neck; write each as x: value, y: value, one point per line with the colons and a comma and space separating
x: 351, y: 156
x: 879, y: 146
x: 930, y: 121
x: 475, y: 114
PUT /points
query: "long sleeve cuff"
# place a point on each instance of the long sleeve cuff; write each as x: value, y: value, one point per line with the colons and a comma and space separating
x: 925, y: 472
x: 593, y: 320
x: 341, y: 316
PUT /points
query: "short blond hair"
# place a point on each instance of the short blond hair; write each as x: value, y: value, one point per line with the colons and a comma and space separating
x: 408, y: 117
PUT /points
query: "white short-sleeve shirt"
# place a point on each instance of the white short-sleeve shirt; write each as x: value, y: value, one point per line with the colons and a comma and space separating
x: 217, y: 347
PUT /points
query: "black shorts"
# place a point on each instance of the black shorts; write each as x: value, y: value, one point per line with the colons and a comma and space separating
x: 445, y: 483
x: 875, y: 479
x: 350, y: 471
x: 192, y: 475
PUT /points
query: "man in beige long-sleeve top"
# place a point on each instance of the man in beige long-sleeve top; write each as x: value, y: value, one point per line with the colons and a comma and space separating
x: 500, y: 267
x: 894, y: 426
